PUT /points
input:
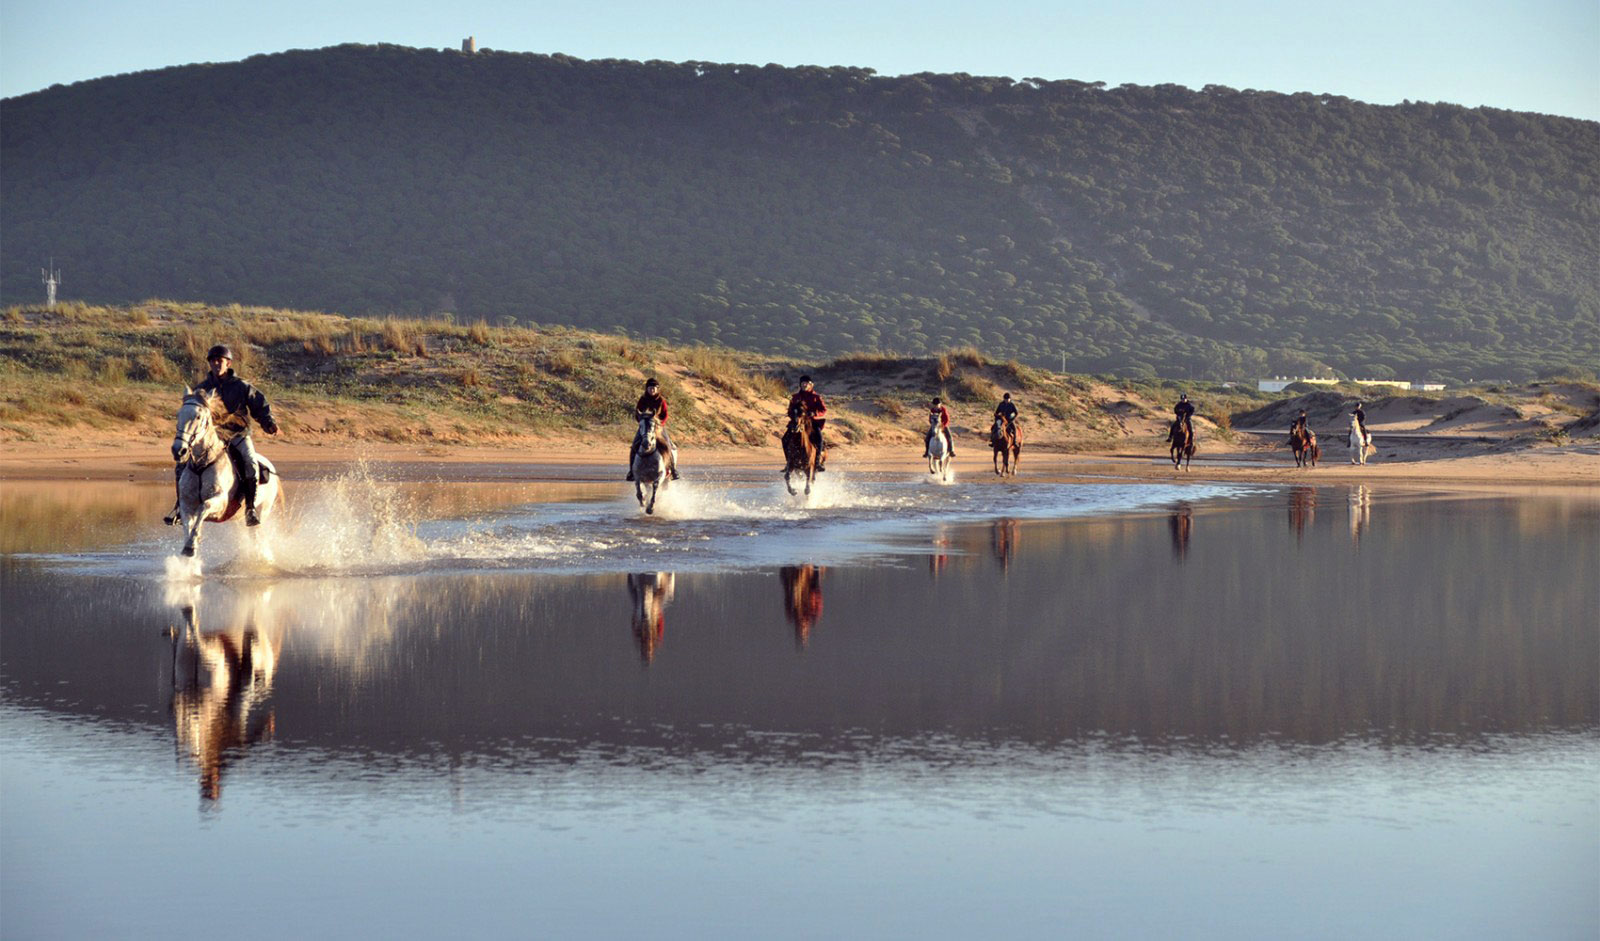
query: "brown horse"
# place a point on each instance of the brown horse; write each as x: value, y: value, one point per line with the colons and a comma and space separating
x: 1006, y: 440
x: 800, y: 452
x: 1181, y: 439
x: 1304, y: 442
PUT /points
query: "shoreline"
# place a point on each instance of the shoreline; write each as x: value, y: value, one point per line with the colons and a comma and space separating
x: 1574, y: 468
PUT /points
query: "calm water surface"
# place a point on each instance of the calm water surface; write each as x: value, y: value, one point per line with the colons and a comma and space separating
x: 899, y: 709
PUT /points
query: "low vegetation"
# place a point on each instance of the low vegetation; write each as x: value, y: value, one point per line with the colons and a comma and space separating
x: 107, y: 372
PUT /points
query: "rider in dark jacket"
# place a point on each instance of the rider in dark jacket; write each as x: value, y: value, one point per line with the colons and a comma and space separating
x: 1299, y: 423
x: 653, y: 401
x: 1007, y: 409
x: 1185, y: 412
x: 242, y: 402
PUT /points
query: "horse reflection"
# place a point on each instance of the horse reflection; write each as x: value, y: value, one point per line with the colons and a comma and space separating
x: 1003, y: 540
x: 221, y: 684
x: 1360, y: 511
x: 652, y: 592
x: 1180, y: 523
x: 1302, y: 509
x: 802, y: 599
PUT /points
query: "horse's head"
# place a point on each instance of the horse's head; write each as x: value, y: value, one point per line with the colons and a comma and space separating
x: 796, y: 413
x: 648, y: 426
x: 933, y: 421
x: 196, y: 419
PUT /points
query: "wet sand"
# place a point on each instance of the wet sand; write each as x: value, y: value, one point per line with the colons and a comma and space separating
x: 1252, y: 459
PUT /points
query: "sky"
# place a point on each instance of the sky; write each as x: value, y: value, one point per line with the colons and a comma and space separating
x: 1525, y: 55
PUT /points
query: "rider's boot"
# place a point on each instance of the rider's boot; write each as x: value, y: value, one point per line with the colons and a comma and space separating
x: 675, y: 475
x: 247, y: 491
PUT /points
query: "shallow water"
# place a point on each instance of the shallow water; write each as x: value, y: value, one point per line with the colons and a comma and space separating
x: 897, y: 708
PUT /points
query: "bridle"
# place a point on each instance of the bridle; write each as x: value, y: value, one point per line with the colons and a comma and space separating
x: 193, y: 432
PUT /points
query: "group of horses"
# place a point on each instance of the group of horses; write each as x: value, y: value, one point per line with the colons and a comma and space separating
x: 1302, y: 441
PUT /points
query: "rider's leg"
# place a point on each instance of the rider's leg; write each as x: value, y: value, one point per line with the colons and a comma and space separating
x: 822, y: 448
x: 243, y: 451
x: 927, y: 443
x: 672, y: 449
x: 949, y: 444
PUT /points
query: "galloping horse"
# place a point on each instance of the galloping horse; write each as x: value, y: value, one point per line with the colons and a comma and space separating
x: 800, y: 453
x: 1181, y: 439
x: 208, y: 491
x: 1304, y: 442
x: 652, y: 460
x: 938, y: 451
x: 1006, y: 440
x: 1360, y: 444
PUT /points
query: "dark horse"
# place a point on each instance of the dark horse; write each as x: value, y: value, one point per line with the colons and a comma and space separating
x: 1304, y: 442
x: 1181, y: 439
x: 1006, y: 440
x: 800, y: 452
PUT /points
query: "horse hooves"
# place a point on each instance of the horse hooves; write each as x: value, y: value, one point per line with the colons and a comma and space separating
x: 188, y: 551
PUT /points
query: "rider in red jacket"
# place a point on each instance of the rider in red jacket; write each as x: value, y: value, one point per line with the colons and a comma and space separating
x: 653, y: 401
x: 935, y: 408
x: 810, y: 402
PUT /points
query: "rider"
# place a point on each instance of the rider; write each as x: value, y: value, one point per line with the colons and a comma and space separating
x: 808, y: 400
x: 935, y: 408
x: 1185, y: 412
x: 1361, y: 420
x: 1007, y: 409
x: 653, y: 401
x: 243, y: 402
x: 1299, y: 423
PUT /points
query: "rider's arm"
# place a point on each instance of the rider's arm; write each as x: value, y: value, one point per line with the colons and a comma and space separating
x: 261, y: 411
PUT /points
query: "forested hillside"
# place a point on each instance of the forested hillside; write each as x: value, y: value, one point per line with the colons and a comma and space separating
x: 816, y: 211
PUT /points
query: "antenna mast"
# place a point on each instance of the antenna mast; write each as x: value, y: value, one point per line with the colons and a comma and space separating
x: 51, y: 278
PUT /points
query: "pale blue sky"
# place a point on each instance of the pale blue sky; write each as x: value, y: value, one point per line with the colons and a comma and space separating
x: 1528, y: 55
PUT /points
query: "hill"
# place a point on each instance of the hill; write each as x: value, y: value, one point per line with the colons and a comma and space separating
x: 818, y: 212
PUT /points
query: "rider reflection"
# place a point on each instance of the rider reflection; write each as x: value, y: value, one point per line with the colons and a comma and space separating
x: 1180, y: 523
x: 1360, y: 511
x: 802, y: 599
x: 221, y: 683
x: 1302, y: 509
x: 1003, y: 539
x: 652, y: 592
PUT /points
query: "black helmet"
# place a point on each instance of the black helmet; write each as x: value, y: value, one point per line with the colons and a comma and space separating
x: 219, y: 352
x: 805, y: 378
x: 651, y: 382
x: 1006, y: 397
x: 936, y: 400
x: 1183, y: 396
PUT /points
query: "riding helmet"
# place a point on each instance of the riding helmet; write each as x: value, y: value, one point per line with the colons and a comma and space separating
x: 805, y: 378
x: 651, y: 382
x: 219, y: 351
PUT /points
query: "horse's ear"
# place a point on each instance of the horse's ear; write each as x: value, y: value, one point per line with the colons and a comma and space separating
x: 187, y: 392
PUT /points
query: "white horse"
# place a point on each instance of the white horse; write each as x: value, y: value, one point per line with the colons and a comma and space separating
x: 938, y: 451
x: 208, y: 491
x: 653, y: 462
x: 1360, y: 445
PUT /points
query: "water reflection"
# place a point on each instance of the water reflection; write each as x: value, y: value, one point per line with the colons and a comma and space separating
x: 1476, y: 617
x: 802, y: 599
x: 651, y: 593
x: 1179, y: 523
x: 1302, y: 510
x: 222, y: 684
x: 1360, y: 511
x: 1003, y: 536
